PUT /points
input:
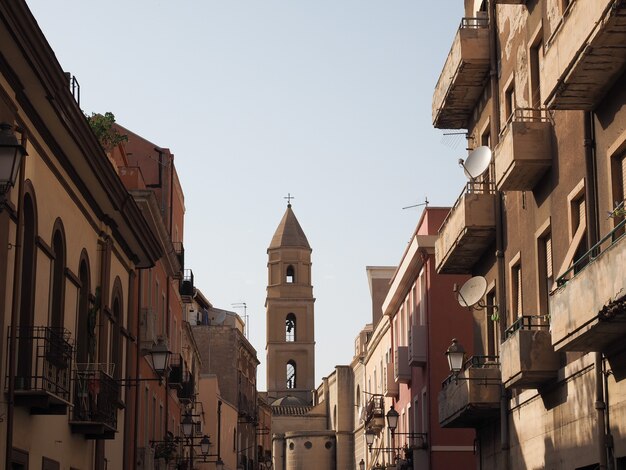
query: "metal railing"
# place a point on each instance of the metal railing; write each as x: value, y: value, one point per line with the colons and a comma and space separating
x: 186, y: 284
x: 527, y: 322
x: 179, y: 249
x: 474, y: 362
x: 474, y: 23
x: 596, y: 250
x: 187, y: 389
x: 44, y: 360
x: 97, y: 395
x: 375, y: 408
x: 527, y: 115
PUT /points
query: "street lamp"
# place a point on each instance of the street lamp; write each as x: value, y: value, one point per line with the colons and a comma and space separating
x: 205, y: 443
x: 160, y: 357
x: 11, y: 153
x: 455, y: 354
x: 187, y: 425
x: 392, y: 419
x: 219, y: 465
x: 369, y: 438
x: 362, y: 465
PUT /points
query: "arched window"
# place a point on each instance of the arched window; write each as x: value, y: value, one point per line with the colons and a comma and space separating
x: 27, y: 303
x: 58, y: 277
x: 290, y: 276
x: 290, y: 328
x: 291, y: 375
x: 358, y: 396
x: 115, y: 330
x: 83, y: 333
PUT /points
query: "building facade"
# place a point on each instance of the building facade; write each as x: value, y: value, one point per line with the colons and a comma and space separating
x: 73, y: 242
x: 541, y: 84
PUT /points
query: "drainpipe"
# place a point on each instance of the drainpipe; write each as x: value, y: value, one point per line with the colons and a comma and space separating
x: 15, y: 307
x: 592, y: 239
x: 495, y: 134
x: 137, y: 364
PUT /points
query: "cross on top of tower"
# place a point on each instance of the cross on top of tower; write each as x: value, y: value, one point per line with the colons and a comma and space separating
x: 289, y: 197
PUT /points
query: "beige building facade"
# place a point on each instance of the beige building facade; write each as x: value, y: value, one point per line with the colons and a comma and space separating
x: 541, y: 84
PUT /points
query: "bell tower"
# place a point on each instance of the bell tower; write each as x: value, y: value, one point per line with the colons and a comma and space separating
x: 290, y: 342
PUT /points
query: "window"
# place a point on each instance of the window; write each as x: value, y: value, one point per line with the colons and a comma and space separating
x: 579, y: 223
x: 290, y: 276
x: 509, y: 101
x: 291, y: 375
x: 290, y: 328
x: 85, y: 332
x: 491, y: 333
x: 27, y: 299
x: 618, y: 179
x: 545, y: 271
x: 536, y: 64
x: 115, y: 345
x: 577, y: 230
x: 516, y: 291
x: 58, y: 278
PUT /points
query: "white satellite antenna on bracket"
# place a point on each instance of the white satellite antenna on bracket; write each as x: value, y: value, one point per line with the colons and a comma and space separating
x: 476, y: 163
x: 471, y: 293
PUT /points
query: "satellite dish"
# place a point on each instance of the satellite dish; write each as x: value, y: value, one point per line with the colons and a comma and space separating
x: 477, y: 162
x: 472, y: 291
x: 218, y: 318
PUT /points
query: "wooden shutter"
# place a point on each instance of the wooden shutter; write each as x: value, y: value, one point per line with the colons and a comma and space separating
x: 518, y: 308
x: 623, y: 176
x: 549, y: 272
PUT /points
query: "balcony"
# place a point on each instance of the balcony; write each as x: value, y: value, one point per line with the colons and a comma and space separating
x: 463, y: 76
x: 418, y: 346
x: 524, y: 153
x: 187, y: 391
x: 186, y: 288
x: 585, y: 54
x: 44, y: 365
x: 177, y: 372
x: 473, y: 397
x: 392, y: 388
x: 588, y: 309
x: 401, y: 368
x: 375, y: 413
x: 468, y: 230
x: 527, y: 356
x: 96, y: 400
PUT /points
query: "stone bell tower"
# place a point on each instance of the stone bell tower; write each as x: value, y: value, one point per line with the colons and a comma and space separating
x: 290, y: 343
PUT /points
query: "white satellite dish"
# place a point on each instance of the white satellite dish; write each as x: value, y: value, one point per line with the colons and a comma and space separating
x: 218, y: 318
x: 477, y: 162
x: 472, y: 291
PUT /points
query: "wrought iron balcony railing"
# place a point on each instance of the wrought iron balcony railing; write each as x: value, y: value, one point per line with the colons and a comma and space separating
x: 95, y: 401
x: 44, y: 364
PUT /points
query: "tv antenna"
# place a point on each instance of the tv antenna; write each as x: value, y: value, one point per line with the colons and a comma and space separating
x: 425, y: 203
x: 476, y: 163
x: 246, y: 327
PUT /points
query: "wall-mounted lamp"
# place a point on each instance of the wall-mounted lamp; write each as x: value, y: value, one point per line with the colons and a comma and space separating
x: 11, y: 154
x: 392, y: 419
x: 369, y: 439
x: 456, y: 355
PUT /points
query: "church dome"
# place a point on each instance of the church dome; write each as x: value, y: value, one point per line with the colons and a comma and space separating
x: 288, y: 400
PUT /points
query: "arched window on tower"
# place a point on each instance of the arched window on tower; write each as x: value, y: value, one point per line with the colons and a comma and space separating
x: 290, y: 276
x: 291, y: 375
x: 290, y: 328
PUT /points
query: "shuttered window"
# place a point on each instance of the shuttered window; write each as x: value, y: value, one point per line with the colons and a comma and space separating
x: 549, y: 272
x: 516, y: 291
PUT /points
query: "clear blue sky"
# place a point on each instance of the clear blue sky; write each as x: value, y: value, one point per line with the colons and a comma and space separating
x: 329, y: 100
